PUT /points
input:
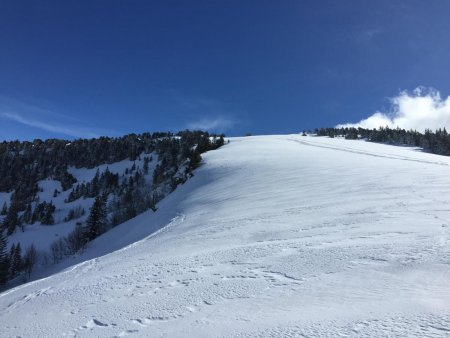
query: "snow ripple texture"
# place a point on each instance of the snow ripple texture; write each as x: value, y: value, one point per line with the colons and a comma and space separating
x: 274, y: 236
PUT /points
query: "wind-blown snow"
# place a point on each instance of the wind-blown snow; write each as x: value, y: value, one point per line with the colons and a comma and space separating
x: 273, y: 236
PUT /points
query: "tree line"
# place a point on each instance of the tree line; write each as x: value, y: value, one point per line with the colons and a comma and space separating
x: 437, y: 142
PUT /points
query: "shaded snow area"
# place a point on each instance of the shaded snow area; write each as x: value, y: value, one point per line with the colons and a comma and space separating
x: 274, y: 236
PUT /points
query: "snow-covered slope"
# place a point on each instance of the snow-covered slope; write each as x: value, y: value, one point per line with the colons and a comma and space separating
x: 273, y: 236
x: 42, y: 236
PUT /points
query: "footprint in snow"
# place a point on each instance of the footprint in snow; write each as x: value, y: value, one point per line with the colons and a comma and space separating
x: 93, y: 323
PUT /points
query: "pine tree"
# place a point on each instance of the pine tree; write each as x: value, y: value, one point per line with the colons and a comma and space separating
x: 47, y: 216
x: 29, y: 259
x: 146, y: 161
x: 97, y: 220
x: 15, y: 260
x: 195, y: 159
x: 70, y: 216
x: 94, y: 188
x: 11, y: 220
x: 11, y: 254
x: 4, y: 259
x: 27, y: 215
x: 153, y: 201
x: 4, y: 210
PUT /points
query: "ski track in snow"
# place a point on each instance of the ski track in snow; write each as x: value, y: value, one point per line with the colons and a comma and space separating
x: 274, y: 236
x: 368, y: 153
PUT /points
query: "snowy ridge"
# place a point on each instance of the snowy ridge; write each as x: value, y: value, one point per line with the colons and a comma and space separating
x: 273, y: 236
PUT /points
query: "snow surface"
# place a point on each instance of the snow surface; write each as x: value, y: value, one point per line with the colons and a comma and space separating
x: 273, y: 236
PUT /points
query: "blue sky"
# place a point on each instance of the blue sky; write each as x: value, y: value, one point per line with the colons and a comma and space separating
x: 88, y: 68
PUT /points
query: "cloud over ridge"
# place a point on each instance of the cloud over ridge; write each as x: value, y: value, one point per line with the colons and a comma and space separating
x: 217, y: 124
x: 421, y: 109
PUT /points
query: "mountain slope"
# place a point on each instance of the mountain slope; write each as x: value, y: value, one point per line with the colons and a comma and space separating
x: 273, y: 236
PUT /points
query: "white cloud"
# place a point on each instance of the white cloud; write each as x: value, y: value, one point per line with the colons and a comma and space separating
x: 217, y: 124
x: 421, y: 109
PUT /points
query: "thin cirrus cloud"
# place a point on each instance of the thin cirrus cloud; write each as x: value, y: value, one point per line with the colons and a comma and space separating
x: 26, y: 115
x: 206, y: 113
x: 217, y: 124
x: 73, y: 131
x: 421, y: 109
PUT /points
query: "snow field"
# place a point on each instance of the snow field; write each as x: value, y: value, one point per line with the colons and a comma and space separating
x: 273, y: 236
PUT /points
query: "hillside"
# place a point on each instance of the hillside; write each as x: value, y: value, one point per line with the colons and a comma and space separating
x: 59, y: 195
x: 273, y: 236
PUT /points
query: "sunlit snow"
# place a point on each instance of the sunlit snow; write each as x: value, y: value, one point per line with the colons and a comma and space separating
x: 273, y: 236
